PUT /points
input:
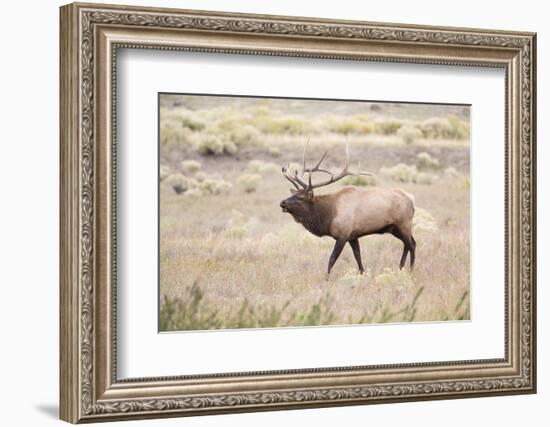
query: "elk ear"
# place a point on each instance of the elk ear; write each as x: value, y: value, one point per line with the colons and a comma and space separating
x: 310, y: 194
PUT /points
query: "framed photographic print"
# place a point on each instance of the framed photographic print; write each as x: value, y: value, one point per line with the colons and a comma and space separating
x: 266, y: 212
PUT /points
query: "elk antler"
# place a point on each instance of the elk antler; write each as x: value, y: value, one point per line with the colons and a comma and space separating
x: 316, y: 167
x: 345, y: 172
x: 294, y: 180
x: 297, y: 181
x: 286, y: 174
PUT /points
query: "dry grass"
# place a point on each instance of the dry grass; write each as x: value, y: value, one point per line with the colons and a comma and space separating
x: 234, y: 260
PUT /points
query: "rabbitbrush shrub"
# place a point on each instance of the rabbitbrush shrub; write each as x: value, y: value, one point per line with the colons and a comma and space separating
x: 249, y: 183
x: 409, y: 134
x: 178, y: 182
x: 190, y: 166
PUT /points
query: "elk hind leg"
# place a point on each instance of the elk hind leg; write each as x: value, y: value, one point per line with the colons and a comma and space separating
x: 354, y: 243
x: 406, y: 245
x: 404, y: 256
x: 413, y: 252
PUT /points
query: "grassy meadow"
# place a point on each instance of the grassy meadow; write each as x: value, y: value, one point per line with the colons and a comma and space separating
x: 230, y: 258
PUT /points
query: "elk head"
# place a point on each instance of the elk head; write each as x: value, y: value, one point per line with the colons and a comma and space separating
x: 300, y: 202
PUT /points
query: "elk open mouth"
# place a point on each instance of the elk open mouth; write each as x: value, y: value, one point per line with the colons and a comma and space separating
x: 285, y: 210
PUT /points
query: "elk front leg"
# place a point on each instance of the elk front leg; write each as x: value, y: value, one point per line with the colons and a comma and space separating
x: 338, y: 246
x: 357, y: 254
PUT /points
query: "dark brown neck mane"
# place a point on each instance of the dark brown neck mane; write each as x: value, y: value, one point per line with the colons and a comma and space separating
x: 319, y: 217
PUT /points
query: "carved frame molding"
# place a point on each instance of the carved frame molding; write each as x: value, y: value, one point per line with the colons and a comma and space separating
x: 90, y: 36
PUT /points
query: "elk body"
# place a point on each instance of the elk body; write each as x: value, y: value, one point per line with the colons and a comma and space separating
x: 350, y: 212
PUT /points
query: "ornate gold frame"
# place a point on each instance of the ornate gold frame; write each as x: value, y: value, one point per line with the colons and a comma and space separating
x: 90, y: 36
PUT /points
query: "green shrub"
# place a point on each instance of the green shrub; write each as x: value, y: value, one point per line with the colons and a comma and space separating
x: 194, y: 312
x: 409, y: 134
x: 365, y: 118
x: 190, y: 313
x: 289, y: 125
x: 407, y: 173
x: 236, y: 232
x: 210, y: 145
x: 254, y: 166
x: 423, y: 178
x: 190, y: 122
x: 215, y: 187
x: 262, y: 110
x: 172, y: 134
x: 436, y: 127
x: 460, y: 128
x: 400, y: 172
x: 269, y: 168
x: 359, y: 180
x: 182, y: 118
x: 236, y: 217
x: 350, y: 125
x: 387, y: 126
x: 237, y: 225
x: 461, y: 310
x: 274, y: 152
x: 425, y: 162
x: 190, y: 166
x: 293, y: 234
x: 451, y: 172
x: 230, y: 148
x: 215, y: 145
x: 423, y: 221
x: 228, y: 120
x: 249, y: 183
x: 261, y: 167
x: 164, y: 171
x: 442, y: 128
x: 245, y: 135
x: 194, y: 192
x: 200, y: 176
x: 178, y: 182
x: 395, y: 278
x: 352, y: 278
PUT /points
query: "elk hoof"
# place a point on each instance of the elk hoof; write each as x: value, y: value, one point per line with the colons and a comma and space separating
x: 327, y: 277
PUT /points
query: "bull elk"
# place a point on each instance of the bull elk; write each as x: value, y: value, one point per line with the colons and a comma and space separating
x: 350, y: 212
